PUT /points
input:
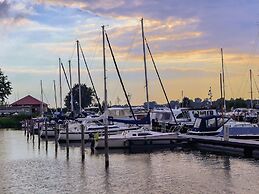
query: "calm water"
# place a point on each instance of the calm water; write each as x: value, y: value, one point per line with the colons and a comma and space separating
x: 25, y: 169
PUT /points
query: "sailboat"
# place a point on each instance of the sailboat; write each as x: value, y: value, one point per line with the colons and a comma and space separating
x: 120, y: 140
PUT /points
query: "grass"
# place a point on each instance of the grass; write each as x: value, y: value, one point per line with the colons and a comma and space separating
x: 12, y: 121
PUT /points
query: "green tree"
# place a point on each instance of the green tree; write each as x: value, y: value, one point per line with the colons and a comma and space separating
x: 237, y: 103
x: 87, y: 97
x: 186, y: 102
x: 5, y: 87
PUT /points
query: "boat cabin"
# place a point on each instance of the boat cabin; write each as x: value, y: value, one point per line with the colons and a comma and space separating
x: 208, y: 125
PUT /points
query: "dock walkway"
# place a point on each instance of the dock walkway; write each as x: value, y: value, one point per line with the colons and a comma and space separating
x: 247, y: 148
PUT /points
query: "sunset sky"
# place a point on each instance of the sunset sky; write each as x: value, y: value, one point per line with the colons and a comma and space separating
x: 185, y: 37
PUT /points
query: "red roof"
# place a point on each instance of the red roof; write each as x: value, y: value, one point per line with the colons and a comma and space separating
x: 27, y: 100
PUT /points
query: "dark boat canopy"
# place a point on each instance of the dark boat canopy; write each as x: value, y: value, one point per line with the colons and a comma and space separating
x: 209, y: 123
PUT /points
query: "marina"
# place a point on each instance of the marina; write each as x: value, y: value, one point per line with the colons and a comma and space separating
x: 129, y: 96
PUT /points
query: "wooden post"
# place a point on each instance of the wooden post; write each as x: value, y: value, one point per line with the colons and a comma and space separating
x: 56, y: 139
x: 39, y: 129
x: 67, y: 140
x: 226, y: 132
x: 32, y: 128
x: 46, y: 135
x: 25, y: 125
x: 83, y: 142
x: 28, y: 130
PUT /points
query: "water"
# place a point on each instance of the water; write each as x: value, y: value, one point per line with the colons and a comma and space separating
x: 25, y: 169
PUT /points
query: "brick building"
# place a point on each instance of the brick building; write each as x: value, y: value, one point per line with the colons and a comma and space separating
x: 32, y: 102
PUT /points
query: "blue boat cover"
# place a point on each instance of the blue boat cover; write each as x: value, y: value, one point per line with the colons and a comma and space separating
x: 236, y: 131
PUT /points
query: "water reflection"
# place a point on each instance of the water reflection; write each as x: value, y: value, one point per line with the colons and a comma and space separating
x: 26, y: 169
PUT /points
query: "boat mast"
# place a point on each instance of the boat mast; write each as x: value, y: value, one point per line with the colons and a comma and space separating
x: 121, y: 82
x: 161, y: 83
x: 60, y: 86
x: 223, y: 81
x: 221, y: 93
x: 41, y: 93
x: 251, y: 88
x: 79, y: 82
x: 71, y: 88
x: 91, y: 80
x: 145, y: 62
x: 55, y: 94
x: 182, y: 98
x: 105, y: 120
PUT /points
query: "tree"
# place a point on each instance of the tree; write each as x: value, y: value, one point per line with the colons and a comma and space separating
x: 5, y: 87
x: 87, y: 97
x: 186, y: 102
x: 237, y: 103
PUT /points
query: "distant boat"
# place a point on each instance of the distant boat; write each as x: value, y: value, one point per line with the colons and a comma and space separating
x: 184, y: 116
x: 245, y: 114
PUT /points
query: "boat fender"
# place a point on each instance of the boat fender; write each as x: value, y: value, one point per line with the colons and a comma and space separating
x: 96, y: 136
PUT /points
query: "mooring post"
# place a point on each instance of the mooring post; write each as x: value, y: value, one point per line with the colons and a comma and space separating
x: 67, y: 140
x: 82, y: 142
x: 28, y: 129
x: 46, y: 135
x: 56, y: 139
x: 226, y: 132
x: 32, y: 128
x: 39, y: 129
x: 24, y: 127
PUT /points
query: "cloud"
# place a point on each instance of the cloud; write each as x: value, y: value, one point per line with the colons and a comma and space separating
x: 185, y: 38
x: 32, y: 71
x: 4, y: 9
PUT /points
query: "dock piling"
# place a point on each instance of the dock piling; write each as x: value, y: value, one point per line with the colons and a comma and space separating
x: 25, y: 125
x: 56, y: 139
x: 28, y: 129
x: 32, y: 129
x: 226, y: 132
x: 67, y: 140
x: 39, y: 135
x: 46, y: 135
x: 82, y: 142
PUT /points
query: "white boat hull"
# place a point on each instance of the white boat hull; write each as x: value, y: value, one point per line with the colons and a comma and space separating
x: 72, y: 137
x: 122, y: 142
x: 75, y: 136
x: 50, y: 133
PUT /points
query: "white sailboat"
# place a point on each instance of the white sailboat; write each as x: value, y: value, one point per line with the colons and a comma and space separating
x: 74, y: 130
x: 121, y: 140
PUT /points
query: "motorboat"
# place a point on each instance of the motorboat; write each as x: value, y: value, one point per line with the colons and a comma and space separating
x: 214, y: 126
x: 121, y: 140
x: 208, y: 125
x: 241, y: 130
x: 184, y: 118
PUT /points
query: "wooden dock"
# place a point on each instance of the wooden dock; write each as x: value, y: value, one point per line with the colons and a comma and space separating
x: 136, y: 145
x: 240, y: 147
